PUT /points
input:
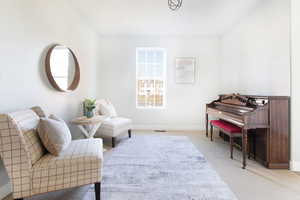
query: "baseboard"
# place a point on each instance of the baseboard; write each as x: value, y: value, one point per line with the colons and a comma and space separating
x: 295, y: 166
x: 168, y: 127
x: 5, y: 190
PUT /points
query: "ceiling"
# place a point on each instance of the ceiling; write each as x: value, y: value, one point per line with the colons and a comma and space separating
x: 153, y: 17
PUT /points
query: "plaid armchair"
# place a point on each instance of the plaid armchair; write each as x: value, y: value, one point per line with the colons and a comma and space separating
x: 32, y: 170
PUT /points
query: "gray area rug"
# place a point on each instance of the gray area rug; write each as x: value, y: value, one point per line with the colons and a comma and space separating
x: 154, y: 167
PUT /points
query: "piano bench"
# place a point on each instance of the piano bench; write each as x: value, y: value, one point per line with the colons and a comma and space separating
x: 229, y: 129
x: 226, y: 126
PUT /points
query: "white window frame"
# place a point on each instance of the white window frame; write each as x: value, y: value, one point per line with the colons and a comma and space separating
x: 164, y: 78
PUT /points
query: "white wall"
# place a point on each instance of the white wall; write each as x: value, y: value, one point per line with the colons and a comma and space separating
x: 185, y: 103
x: 256, y: 58
x: 27, y: 28
x: 256, y: 52
x: 258, y: 45
x: 295, y: 84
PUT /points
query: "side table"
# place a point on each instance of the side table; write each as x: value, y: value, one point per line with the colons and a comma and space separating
x: 89, y: 126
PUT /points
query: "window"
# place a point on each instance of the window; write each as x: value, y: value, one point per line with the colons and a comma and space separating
x: 150, y: 77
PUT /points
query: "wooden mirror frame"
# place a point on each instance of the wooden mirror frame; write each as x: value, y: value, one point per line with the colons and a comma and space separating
x: 51, y: 79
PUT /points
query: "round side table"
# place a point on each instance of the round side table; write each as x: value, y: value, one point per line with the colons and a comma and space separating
x: 89, y: 126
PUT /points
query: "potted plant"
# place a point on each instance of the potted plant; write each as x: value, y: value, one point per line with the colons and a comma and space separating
x: 88, y: 107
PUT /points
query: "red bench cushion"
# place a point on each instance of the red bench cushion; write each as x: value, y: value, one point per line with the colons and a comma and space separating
x: 228, y: 127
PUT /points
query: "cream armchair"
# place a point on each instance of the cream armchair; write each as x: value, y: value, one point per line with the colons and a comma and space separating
x: 112, y: 126
x: 32, y: 170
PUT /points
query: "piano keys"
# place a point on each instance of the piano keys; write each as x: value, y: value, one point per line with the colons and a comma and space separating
x: 264, y: 118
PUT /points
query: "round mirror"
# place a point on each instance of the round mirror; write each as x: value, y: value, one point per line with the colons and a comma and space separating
x: 62, y: 68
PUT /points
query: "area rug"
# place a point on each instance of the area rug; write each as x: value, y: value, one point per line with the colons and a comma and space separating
x: 155, y: 167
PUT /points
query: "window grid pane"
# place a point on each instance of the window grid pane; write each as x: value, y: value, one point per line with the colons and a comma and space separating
x: 150, y: 77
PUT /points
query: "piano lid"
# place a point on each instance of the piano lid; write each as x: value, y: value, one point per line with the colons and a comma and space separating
x: 243, y: 101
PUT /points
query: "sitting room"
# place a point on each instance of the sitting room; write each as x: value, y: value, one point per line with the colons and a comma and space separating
x: 149, y: 100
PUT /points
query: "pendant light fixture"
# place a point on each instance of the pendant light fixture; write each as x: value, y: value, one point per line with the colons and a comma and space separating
x: 174, y: 4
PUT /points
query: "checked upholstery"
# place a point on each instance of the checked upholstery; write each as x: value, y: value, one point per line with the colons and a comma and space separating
x: 32, y: 170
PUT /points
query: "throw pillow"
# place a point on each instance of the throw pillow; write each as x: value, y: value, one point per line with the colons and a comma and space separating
x: 55, y: 135
x: 108, y: 110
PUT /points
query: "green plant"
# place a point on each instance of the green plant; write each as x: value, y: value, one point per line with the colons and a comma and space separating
x: 90, y: 104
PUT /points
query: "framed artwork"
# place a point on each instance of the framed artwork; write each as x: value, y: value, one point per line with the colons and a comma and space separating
x: 185, y: 70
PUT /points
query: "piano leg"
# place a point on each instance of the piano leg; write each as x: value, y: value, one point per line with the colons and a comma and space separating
x: 206, y: 120
x: 254, y: 147
x: 244, y: 146
x: 231, y: 147
x: 248, y: 146
x: 211, y: 132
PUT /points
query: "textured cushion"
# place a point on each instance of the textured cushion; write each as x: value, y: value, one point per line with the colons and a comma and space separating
x: 98, y: 103
x: 79, y: 164
x: 55, y: 135
x: 108, y: 110
x: 228, y: 127
x: 114, y: 126
x: 105, y: 107
x: 39, y: 111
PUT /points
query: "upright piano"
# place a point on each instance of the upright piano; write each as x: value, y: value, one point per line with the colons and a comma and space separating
x: 265, y: 125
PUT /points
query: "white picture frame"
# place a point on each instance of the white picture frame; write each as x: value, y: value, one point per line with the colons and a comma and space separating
x: 185, y: 68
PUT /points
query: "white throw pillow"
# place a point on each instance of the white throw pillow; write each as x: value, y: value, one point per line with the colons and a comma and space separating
x: 108, y: 110
x: 55, y: 134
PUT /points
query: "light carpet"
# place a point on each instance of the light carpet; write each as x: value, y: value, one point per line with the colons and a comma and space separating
x: 155, y: 167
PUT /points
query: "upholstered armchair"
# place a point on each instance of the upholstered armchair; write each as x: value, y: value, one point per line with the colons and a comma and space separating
x: 113, y: 126
x: 32, y: 170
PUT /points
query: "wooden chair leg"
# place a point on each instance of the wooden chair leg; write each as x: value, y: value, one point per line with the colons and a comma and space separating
x: 113, y: 142
x: 231, y: 147
x: 211, y: 132
x: 98, y: 191
x: 129, y: 133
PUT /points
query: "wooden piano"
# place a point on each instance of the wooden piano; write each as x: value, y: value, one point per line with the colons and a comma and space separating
x: 265, y: 125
